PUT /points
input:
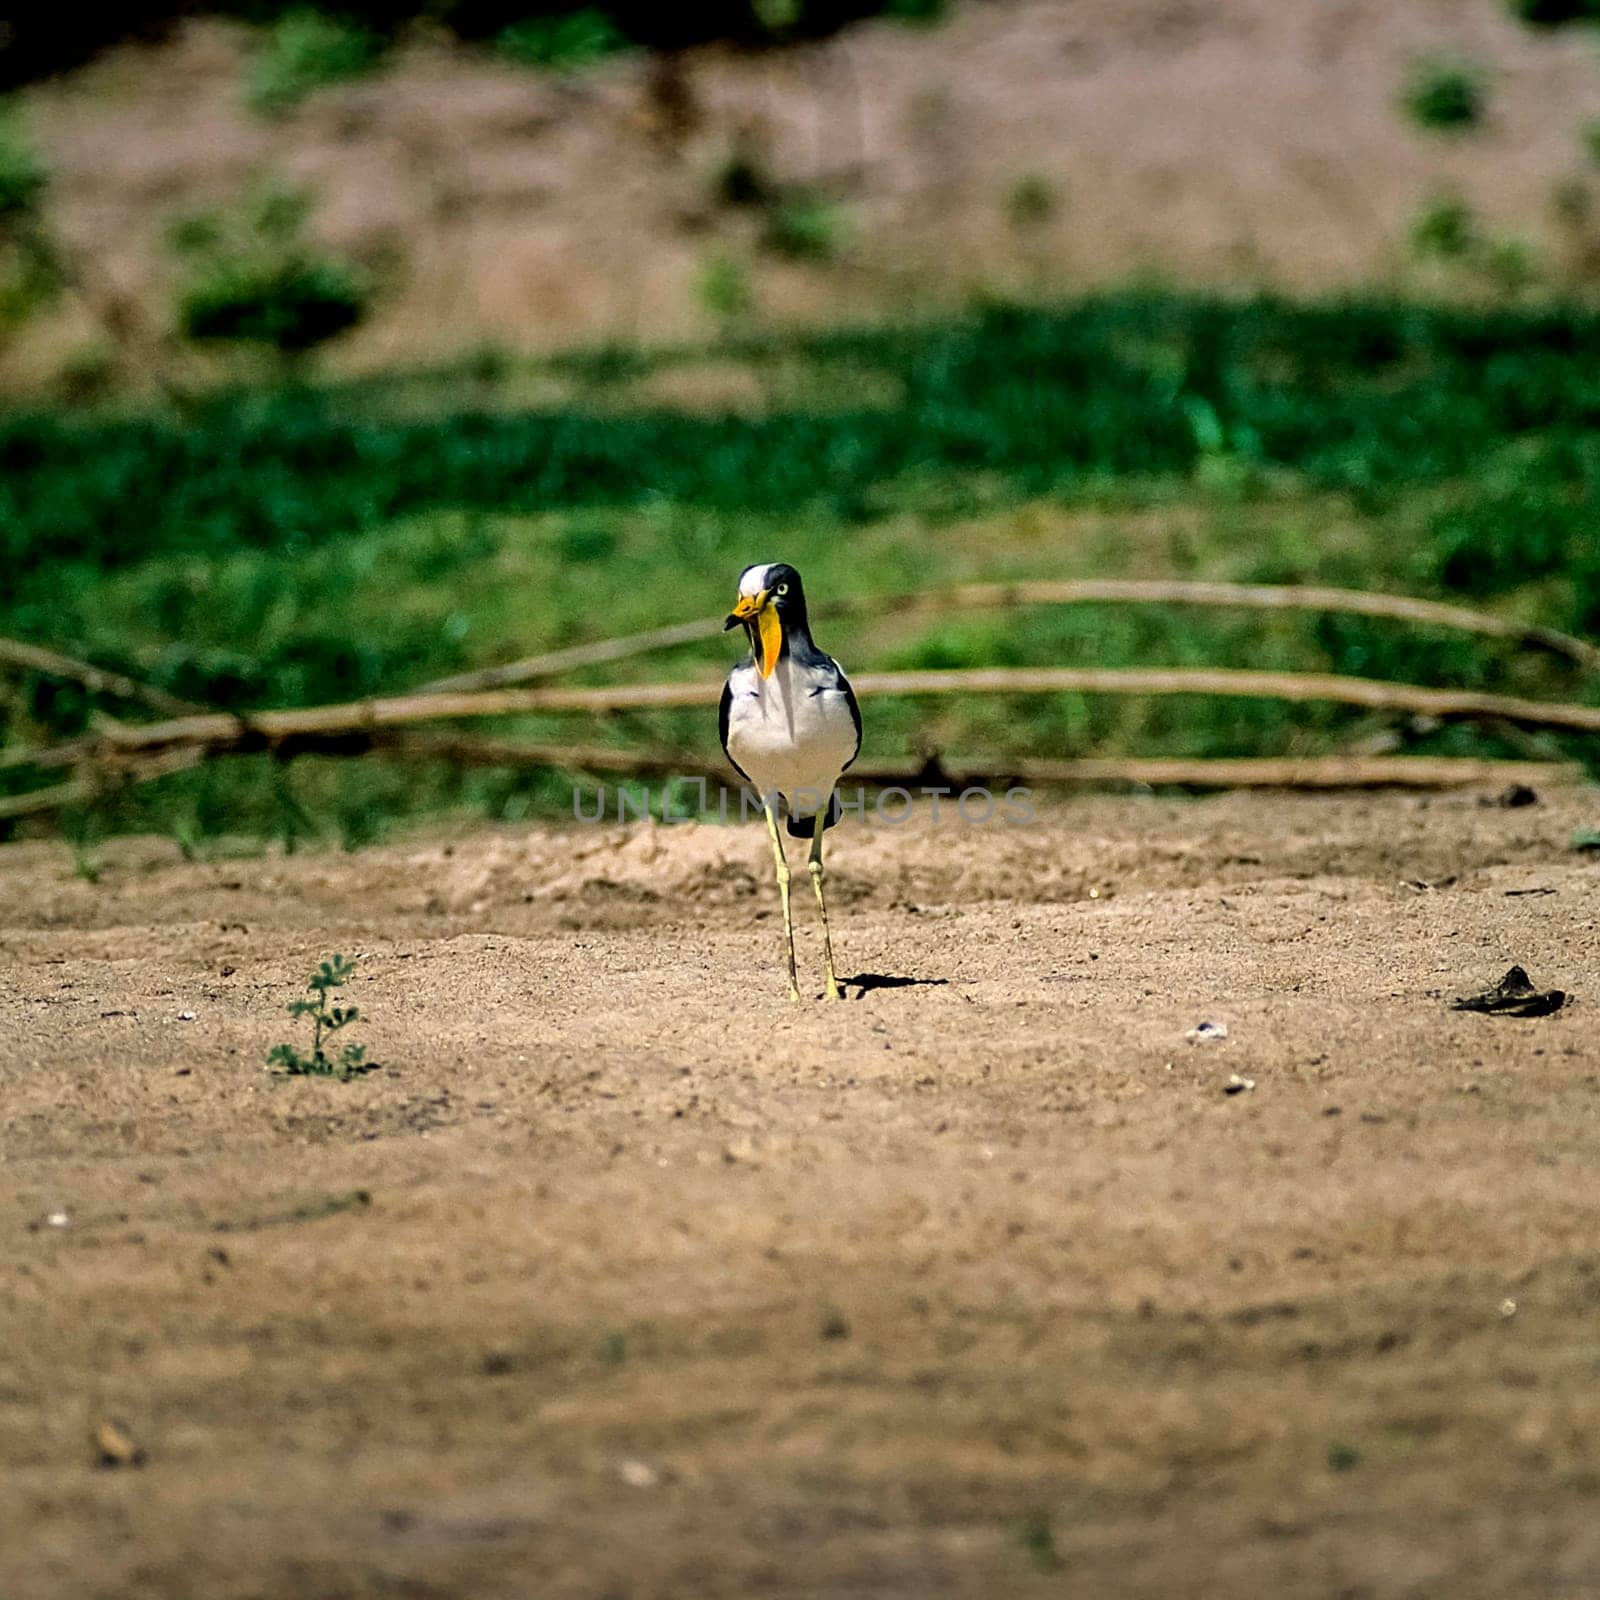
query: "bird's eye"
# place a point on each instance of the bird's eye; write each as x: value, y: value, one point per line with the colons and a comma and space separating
x: 782, y: 588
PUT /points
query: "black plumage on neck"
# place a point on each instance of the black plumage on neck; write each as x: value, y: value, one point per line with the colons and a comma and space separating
x: 797, y: 641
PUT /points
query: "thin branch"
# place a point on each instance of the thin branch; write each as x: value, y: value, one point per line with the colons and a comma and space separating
x: 96, y: 784
x: 283, y: 731
x: 1088, y: 591
x: 555, y: 662
x: 1261, y: 597
x: 52, y: 664
x: 79, y: 791
x: 1374, y: 694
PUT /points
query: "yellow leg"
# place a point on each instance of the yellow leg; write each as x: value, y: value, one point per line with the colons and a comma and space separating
x: 782, y: 864
x: 834, y: 992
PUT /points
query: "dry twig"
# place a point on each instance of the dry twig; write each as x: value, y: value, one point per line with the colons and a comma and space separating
x: 1102, y: 591
x: 285, y: 732
x: 52, y: 664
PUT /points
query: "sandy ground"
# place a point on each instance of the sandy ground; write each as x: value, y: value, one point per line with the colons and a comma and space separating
x: 626, y: 1278
x: 1232, y: 142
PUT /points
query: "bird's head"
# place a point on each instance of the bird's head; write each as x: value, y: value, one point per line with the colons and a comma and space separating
x: 770, y: 598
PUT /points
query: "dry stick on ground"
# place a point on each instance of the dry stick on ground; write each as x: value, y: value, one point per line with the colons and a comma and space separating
x: 285, y: 731
x: 52, y: 664
x: 555, y: 662
x: 95, y: 783
x: 1118, y: 591
x: 1266, y: 597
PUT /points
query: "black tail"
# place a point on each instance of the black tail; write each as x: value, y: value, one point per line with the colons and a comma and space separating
x: 806, y: 827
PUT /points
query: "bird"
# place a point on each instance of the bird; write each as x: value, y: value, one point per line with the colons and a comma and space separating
x: 791, y: 727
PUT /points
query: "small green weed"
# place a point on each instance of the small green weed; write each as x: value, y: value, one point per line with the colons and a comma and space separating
x: 1030, y: 201
x: 1446, y: 96
x: 742, y: 179
x: 1571, y: 203
x: 87, y: 372
x: 330, y: 1206
x: 1444, y: 229
x: 807, y: 227
x: 83, y: 831
x: 1226, y: 455
x: 1038, y: 1543
x: 303, y: 51
x: 1509, y: 262
x: 777, y: 17
x: 1591, y: 140
x: 23, y: 179
x: 30, y: 272
x: 561, y: 43
x: 1342, y: 1457
x: 252, y: 277
x: 326, y: 1020
x: 724, y: 288
x: 1406, y: 1435
x: 325, y: 1205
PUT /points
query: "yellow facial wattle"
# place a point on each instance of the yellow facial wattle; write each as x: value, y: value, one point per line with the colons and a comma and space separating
x: 766, y: 631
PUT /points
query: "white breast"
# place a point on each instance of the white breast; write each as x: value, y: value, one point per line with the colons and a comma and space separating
x: 789, y: 734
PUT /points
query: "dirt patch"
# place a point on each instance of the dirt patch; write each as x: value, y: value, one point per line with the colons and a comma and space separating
x: 1239, y: 141
x: 624, y: 1277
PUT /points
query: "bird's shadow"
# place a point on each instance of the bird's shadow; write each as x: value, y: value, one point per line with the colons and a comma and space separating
x: 864, y: 982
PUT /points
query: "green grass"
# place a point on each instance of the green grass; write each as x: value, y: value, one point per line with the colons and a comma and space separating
x: 251, y: 276
x: 327, y: 1018
x: 562, y: 43
x: 23, y: 179
x: 1444, y: 229
x: 1445, y: 96
x: 309, y: 543
x: 304, y: 50
x: 807, y: 227
x: 1038, y: 1542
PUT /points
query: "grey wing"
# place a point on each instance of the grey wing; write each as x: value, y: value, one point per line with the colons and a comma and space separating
x: 722, y: 728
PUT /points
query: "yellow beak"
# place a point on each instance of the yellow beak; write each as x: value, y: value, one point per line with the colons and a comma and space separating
x: 763, y: 626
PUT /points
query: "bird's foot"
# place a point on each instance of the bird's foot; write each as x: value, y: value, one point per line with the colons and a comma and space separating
x: 832, y: 991
x: 794, y: 993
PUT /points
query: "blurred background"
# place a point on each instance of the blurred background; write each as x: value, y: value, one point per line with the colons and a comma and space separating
x: 347, y: 349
